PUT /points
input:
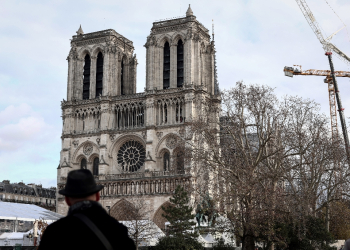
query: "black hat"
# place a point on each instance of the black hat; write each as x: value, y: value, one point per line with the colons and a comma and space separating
x: 80, y: 183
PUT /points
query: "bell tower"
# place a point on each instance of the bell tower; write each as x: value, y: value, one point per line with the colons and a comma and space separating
x: 179, y: 52
x: 101, y: 63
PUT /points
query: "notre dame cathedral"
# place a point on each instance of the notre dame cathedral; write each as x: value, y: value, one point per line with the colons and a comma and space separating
x: 130, y: 140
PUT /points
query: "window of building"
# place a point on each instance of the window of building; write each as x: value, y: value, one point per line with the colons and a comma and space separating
x: 95, y: 167
x: 86, y: 80
x: 99, y: 74
x: 166, y: 161
x: 122, y: 90
x: 180, y: 64
x: 166, y: 66
x: 179, y: 160
x: 83, y: 163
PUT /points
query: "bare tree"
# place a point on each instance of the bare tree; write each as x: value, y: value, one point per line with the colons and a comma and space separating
x: 260, y: 147
x: 137, y: 220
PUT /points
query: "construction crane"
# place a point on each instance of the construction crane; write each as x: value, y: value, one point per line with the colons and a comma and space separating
x: 328, y: 47
x: 290, y: 71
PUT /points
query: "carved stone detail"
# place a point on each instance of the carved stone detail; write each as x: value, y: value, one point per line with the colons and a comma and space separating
x: 144, y: 135
x: 112, y: 137
x: 159, y: 135
x: 88, y: 148
x: 76, y: 143
x: 171, y: 141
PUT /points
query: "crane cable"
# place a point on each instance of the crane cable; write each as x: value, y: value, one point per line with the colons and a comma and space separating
x: 347, y: 31
x: 346, y: 27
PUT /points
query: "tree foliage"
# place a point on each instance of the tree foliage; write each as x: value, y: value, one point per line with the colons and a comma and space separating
x: 267, y: 160
x: 180, y: 215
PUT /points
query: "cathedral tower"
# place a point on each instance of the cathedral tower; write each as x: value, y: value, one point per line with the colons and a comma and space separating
x: 130, y: 141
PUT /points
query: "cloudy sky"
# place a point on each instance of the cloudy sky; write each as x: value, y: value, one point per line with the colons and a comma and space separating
x: 255, y: 39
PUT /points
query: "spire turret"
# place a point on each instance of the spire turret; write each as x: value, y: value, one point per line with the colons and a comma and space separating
x: 80, y: 31
x: 216, y: 83
x: 189, y: 11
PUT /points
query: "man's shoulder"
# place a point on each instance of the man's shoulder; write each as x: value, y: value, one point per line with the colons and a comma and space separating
x: 59, y: 223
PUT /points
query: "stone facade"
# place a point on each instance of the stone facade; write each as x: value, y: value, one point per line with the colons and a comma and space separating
x: 130, y: 141
x: 28, y: 194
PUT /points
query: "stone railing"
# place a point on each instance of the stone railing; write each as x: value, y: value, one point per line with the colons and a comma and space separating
x: 139, y: 175
x: 109, y: 32
x: 154, y: 186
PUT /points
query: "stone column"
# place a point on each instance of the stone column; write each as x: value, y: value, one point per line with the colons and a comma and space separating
x: 93, y: 77
x: 105, y: 81
x: 70, y: 79
x: 159, y: 65
x: 173, y: 66
x: 78, y: 84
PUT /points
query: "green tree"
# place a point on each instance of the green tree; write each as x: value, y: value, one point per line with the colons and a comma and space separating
x: 180, y: 216
x: 176, y: 243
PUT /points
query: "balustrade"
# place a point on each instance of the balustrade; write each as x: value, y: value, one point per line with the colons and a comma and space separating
x: 143, y: 187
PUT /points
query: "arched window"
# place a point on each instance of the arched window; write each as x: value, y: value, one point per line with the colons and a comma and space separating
x: 83, y: 163
x: 180, y: 63
x: 95, y: 167
x: 179, y: 160
x: 166, y: 66
x: 122, y: 91
x: 86, y: 80
x: 99, y: 74
x: 166, y: 161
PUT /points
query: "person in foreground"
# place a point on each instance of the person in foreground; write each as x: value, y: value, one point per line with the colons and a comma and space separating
x: 87, y: 225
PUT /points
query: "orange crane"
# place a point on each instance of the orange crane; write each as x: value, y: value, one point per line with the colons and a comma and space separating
x: 328, y: 47
x: 290, y: 71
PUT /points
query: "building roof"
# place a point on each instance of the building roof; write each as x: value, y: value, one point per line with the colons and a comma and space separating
x: 26, y: 212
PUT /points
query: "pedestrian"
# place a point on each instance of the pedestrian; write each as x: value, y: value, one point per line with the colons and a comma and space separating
x: 87, y: 225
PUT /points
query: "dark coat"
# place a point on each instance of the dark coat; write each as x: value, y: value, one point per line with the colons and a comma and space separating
x: 71, y: 233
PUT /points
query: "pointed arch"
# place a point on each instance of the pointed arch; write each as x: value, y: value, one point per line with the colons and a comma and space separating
x: 178, y: 36
x: 158, y: 218
x: 121, y: 210
x: 166, y: 65
x: 162, y: 140
x: 180, y: 63
x: 178, y: 159
x: 86, y: 78
x: 122, y: 75
x: 75, y: 159
x: 83, y: 52
x: 97, y: 49
x: 99, y: 74
x: 163, y: 39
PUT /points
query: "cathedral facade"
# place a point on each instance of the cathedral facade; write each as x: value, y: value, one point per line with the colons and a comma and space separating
x: 130, y: 141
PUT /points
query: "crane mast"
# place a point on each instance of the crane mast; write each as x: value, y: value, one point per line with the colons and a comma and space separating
x: 327, y: 46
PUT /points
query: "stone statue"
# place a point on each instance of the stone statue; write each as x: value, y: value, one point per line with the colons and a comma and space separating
x: 199, y: 215
x: 206, y: 209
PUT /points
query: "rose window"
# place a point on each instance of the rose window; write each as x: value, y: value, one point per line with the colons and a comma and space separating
x: 131, y: 156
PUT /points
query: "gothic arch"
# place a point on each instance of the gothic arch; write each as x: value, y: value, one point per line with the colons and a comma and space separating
x: 120, y: 210
x: 161, y: 141
x: 122, y: 139
x: 83, y: 51
x: 98, y: 48
x: 92, y: 157
x: 178, y: 36
x: 158, y: 219
x: 95, y: 149
x: 163, y: 39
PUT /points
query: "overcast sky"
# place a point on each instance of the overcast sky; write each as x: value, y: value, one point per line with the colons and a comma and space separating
x: 255, y: 39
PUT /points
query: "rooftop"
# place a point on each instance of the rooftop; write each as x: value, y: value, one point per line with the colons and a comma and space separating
x: 26, y: 212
